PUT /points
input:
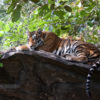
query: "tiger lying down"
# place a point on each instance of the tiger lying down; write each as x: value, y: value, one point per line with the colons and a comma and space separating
x: 73, y: 50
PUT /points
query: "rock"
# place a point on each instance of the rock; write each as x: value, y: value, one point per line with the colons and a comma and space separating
x: 39, y: 75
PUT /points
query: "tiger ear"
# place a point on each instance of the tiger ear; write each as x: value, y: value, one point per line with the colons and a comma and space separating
x: 39, y: 30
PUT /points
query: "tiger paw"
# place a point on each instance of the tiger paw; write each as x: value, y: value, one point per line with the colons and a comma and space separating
x: 68, y: 57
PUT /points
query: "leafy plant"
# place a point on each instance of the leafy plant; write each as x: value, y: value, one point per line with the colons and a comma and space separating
x: 64, y: 17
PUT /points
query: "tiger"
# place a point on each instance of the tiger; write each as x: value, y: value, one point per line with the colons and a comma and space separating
x: 70, y: 49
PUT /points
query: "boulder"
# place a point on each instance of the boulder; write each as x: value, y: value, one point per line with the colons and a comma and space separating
x: 39, y: 75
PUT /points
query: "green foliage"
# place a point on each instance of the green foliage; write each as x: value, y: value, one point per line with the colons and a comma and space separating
x: 16, y: 13
x: 1, y: 65
x: 64, y: 17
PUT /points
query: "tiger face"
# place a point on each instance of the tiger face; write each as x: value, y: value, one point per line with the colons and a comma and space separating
x: 36, y: 39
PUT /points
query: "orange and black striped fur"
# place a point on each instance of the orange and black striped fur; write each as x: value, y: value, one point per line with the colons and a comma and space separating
x: 73, y: 50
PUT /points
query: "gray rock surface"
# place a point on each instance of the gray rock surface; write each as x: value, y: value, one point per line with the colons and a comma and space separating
x: 38, y: 75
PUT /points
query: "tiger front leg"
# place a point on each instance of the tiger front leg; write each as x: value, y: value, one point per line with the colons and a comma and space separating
x: 24, y: 48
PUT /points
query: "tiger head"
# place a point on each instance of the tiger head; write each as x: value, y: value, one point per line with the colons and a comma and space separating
x: 43, y: 40
x: 36, y: 39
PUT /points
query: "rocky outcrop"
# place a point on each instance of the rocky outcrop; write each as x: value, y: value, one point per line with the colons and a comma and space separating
x: 38, y: 75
